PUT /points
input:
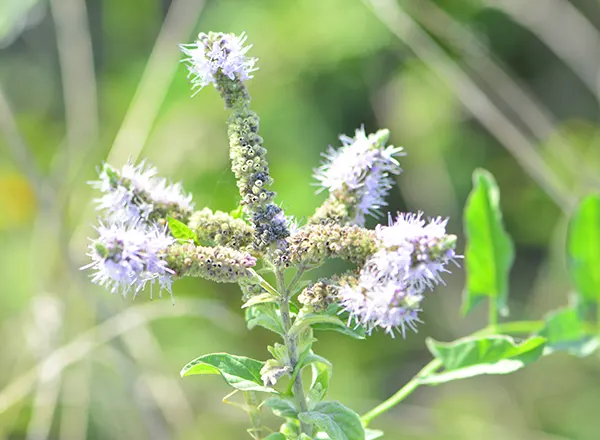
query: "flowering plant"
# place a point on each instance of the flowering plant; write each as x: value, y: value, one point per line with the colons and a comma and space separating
x: 151, y: 235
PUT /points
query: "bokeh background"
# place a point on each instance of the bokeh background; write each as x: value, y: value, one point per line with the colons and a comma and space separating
x: 509, y: 85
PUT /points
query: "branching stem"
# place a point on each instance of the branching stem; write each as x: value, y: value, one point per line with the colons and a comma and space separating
x: 291, y: 343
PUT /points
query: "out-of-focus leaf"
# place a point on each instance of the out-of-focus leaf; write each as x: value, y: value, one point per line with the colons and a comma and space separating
x: 373, y: 434
x: 240, y: 372
x: 584, y: 248
x: 181, y: 231
x: 276, y: 436
x: 473, y: 356
x: 489, y: 252
x: 565, y: 331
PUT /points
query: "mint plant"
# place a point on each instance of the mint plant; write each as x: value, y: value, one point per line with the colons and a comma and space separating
x: 150, y: 234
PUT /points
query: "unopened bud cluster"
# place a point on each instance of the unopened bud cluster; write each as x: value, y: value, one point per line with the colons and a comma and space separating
x: 219, y: 264
x: 221, y: 229
x: 313, y: 244
x: 318, y: 296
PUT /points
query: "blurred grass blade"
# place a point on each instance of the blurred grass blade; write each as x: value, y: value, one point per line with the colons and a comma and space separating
x: 474, y: 356
x: 583, y: 248
x: 489, y: 252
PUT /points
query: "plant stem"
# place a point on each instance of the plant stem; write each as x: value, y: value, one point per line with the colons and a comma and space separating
x: 254, y: 412
x: 292, y: 345
x: 402, y: 393
x: 493, y: 314
x: 518, y: 327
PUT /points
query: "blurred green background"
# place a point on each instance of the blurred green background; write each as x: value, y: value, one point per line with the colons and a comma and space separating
x: 509, y: 85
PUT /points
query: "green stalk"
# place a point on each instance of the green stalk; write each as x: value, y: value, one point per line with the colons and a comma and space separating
x: 404, y: 392
x: 493, y: 314
x: 292, y: 345
x: 254, y: 413
x: 516, y: 327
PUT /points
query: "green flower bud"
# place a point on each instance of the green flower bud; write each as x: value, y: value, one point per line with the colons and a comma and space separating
x: 221, y: 229
x: 220, y: 264
x: 313, y: 244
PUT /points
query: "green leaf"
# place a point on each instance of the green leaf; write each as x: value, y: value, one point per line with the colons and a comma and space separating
x: 373, y: 434
x: 489, y: 252
x: 237, y: 212
x: 583, y: 247
x: 565, y: 331
x: 321, y: 372
x: 180, y: 231
x: 261, y: 298
x: 276, y: 436
x: 282, y: 407
x: 239, y: 372
x: 357, y: 332
x: 264, y: 315
x: 473, y: 356
x: 337, y: 421
x: 323, y: 322
x: 291, y: 429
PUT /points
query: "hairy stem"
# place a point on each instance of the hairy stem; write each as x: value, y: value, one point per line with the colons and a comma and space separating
x: 291, y: 343
x: 254, y: 413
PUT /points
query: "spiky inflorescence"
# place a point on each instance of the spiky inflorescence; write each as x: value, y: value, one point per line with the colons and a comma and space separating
x: 221, y: 229
x: 418, y: 249
x: 221, y: 59
x: 216, y: 56
x: 358, y: 176
x: 389, y: 290
x: 318, y: 296
x: 313, y: 244
x: 249, y: 164
x: 135, y: 193
x: 128, y: 257
x: 220, y: 264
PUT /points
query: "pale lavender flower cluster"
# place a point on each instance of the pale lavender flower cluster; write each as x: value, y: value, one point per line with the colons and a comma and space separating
x: 128, y: 257
x: 392, y: 282
x: 215, y: 53
x: 130, y: 249
x: 134, y: 192
x: 363, y: 168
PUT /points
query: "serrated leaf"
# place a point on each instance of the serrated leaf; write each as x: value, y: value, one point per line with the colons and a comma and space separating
x: 583, y: 247
x: 239, y: 372
x: 264, y: 315
x: 565, y: 331
x: 489, y: 252
x: 282, y: 407
x: 180, y: 231
x: 337, y: 421
x: 474, y: 356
